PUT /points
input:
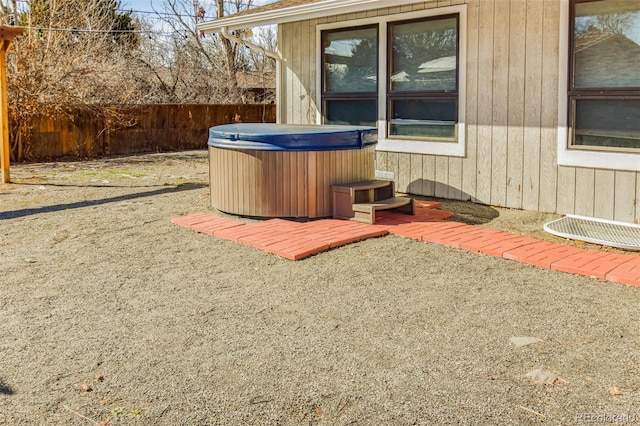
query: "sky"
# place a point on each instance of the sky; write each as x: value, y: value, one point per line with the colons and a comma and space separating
x: 138, y: 4
x: 150, y: 5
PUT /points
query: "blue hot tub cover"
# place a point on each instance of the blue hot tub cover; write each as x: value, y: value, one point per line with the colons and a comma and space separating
x: 291, y: 137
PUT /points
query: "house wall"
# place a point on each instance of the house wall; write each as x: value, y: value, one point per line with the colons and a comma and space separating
x: 512, y: 72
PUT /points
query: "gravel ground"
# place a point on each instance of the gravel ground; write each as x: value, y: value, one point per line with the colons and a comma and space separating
x: 110, y: 314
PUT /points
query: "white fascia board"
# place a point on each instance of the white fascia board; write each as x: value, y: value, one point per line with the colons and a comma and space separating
x: 298, y: 13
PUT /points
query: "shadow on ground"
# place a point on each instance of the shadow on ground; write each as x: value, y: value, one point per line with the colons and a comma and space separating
x: 4, y: 389
x: 465, y: 211
x: 25, y: 182
x: 87, y: 203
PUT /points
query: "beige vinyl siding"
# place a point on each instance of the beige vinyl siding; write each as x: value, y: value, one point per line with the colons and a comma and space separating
x: 532, y: 105
x: 624, y: 209
x: 515, y: 105
x: 485, y: 99
x: 469, y: 162
x: 511, y: 92
x: 500, y: 99
x: 549, y: 111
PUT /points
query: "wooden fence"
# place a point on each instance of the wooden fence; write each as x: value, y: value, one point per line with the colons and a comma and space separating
x: 157, y: 128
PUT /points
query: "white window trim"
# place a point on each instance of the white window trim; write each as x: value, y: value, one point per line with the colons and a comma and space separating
x: 576, y: 157
x: 454, y: 149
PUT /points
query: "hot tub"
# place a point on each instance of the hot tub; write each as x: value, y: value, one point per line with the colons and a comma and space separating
x: 285, y: 170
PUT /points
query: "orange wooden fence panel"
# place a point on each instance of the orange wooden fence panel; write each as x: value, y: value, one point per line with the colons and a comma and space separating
x: 157, y: 128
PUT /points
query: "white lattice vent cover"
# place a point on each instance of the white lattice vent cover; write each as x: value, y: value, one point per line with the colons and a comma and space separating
x: 599, y: 231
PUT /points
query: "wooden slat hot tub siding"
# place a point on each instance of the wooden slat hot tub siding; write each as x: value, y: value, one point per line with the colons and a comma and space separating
x: 283, y: 183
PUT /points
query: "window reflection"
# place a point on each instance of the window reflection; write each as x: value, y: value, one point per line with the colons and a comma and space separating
x: 355, y: 112
x: 607, y: 44
x: 424, y: 118
x: 423, y: 79
x: 604, y: 96
x: 611, y: 123
x: 424, y: 55
x: 350, y: 59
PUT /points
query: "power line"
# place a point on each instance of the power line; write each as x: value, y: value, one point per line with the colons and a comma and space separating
x: 154, y: 14
x: 171, y: 14
x: 157, y: 15
x: 85, y: 30
x: 80, y: 30
x: 121, y: 9
x: 149, y: 12
x: 229, y: 2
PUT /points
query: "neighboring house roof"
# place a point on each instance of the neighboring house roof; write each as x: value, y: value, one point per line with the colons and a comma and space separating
x: 588, y: 39
x: 294, y: 10
x: 606, y: 60
x: 446, y: 63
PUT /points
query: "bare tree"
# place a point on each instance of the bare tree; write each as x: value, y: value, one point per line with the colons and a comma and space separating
x: 90, y: 57
x: 606, y: 23
x: 230, y: 49
x: 203, y: 64
x: 71, y: 58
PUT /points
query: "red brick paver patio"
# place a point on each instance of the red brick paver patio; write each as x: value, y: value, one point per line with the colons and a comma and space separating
x: 297, y: 240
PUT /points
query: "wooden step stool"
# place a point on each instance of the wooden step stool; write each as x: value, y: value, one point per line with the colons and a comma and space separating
x: 359, y: 201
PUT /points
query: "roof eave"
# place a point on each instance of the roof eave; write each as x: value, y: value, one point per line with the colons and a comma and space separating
x: 297, y: 13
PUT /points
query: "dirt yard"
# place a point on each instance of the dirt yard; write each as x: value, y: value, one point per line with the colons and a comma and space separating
x: 110, y: 314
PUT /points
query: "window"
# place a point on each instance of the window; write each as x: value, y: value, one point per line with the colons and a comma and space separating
x: 403, y: 73
x: 422, y: 79
x: 604, y: 81
x: 350, y: 76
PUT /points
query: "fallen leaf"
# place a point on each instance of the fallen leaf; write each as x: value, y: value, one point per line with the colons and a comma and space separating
x: 615, y: 392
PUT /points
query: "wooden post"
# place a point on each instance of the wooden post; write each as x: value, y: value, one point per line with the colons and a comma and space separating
x: 6, y: 35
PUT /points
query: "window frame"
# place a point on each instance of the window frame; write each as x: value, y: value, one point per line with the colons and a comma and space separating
x: 572, y: 106
x: 420, y: 94
x: 328, y: 96
x: 570, y: 154
x: 575, y: 94
x: 410, y: 144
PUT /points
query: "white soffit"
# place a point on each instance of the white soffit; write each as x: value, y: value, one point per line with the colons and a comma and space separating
x: 298, y: 13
